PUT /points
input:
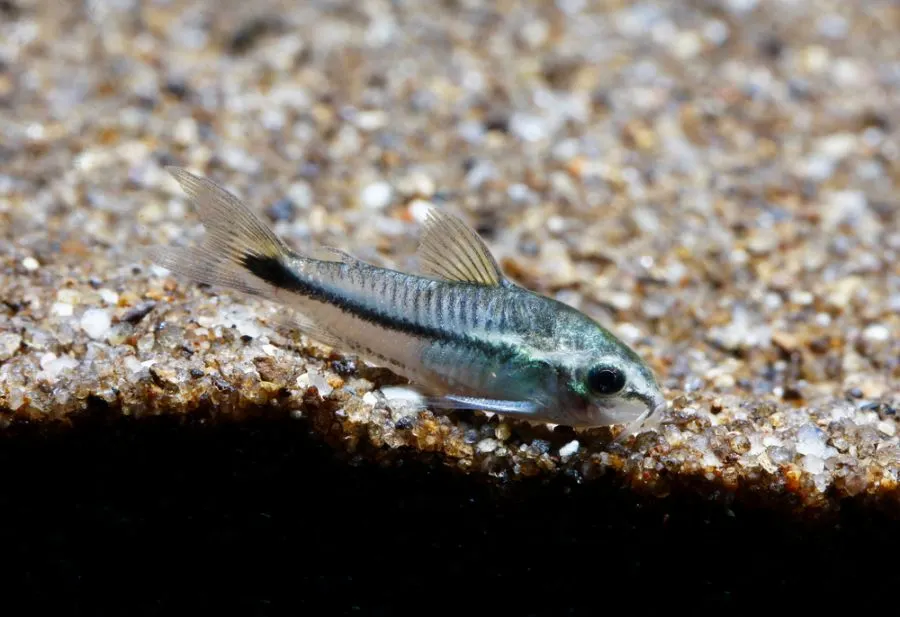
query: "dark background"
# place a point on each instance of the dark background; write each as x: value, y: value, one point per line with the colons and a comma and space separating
x: 166, y: 516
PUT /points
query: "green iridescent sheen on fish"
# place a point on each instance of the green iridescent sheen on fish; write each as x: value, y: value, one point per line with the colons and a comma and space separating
x: 460, y: 330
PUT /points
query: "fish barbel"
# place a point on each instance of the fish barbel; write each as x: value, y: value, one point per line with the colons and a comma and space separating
x: 460, y: 330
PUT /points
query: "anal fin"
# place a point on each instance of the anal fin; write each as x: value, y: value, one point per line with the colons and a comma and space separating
x: 295, y: 320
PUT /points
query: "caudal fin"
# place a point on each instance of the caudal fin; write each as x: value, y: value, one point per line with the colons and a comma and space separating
x: 234, y: 237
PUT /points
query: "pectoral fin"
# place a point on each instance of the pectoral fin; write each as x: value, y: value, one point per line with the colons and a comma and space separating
x: 413, y: 396
x: 519, y: 408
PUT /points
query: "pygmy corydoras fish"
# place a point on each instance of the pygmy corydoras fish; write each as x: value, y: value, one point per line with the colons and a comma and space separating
x: 460, y: 330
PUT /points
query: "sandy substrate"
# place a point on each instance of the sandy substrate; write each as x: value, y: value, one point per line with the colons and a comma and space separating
x: 716, y: 182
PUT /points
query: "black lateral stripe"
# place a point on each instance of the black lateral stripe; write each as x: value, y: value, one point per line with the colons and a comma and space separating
x: 275, y: 272
x: 270, y: 269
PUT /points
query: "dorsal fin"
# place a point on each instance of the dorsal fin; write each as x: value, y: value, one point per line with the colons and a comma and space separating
x: 452, y: 250
x: 330, y: 253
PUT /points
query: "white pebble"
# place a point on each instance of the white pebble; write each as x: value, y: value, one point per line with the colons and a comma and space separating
x: 289, y: 96
x: 813, y: 464
x: 811, y: 441
x: 741, y: 6
x: 9, y: 345
x: 403, y: 396
x: 837, y: 146
x: 15, y: 398
x: 518, y: 192
x: 471, y: 131
x: 96, y: 323
x: 31, y: 264
x: 377, y: 196
x: 725, y: 382
x: 772, y: 301
x: 739, y: 257
x: 248, y: 328
x: 272, y: 119
x: 619, y: 300
x: 629, y: 332
x: 301, y: 195
x: 132, y: 364
x: 877, y: 333
x: 109, y: 296
x: 873, y: 137
x: 817, y: 58
x: 68, y: 295
x: 843, y: 411
x: 528, y: 127
x: 422, y: 184
x: 239, y: 160
x: 801, y: 297
x: 62, y: 309
x: 894, y: 303
x: 646, y: 219
x: 832, y: 26
x: 380, y: 32
x: 844, y: 206
x: 847, y: 73
x: 480, y: 173
x: 821, y: 481
x: 716, y: 32
x: 565, y: 150
x: 569, y: 449
x: 370, y: 399
x: 487, y: 445
x: 389, y: 226
x: 771, y: 441
x: 571, y: 7
x: 710, y: 459
x: 419, y: 208
x: 52, y: 366
x: 35, y: 131
x: 637, y: 20
x: 91, y: 160
x: 687, y: 45
x: 321, y: 384
x: 186, y: 131
x: 158, y: 271
x: 534, y: 33
x: 556, y: 224
x: 816, y: 167
x: 370, y: 120
x: 888, y: 428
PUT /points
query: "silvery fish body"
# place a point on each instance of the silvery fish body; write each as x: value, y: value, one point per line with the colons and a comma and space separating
x: 460, y: 330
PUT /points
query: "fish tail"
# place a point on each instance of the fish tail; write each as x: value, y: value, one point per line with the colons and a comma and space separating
x: 239, y: 251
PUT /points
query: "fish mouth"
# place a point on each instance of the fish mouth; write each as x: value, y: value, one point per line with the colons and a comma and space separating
x: 638, y: 423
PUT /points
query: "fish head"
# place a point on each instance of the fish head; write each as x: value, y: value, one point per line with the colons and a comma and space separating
x: 608, y: 387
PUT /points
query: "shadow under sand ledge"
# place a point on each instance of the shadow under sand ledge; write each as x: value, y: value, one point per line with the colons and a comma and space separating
x: 262, y: 509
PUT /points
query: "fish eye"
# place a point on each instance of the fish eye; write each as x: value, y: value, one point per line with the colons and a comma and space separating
x: 605, y: 380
